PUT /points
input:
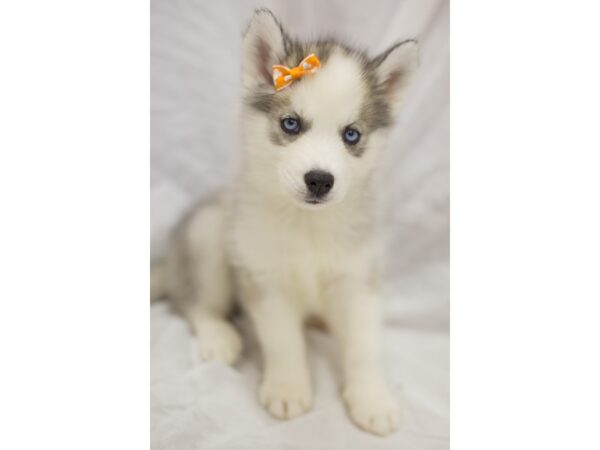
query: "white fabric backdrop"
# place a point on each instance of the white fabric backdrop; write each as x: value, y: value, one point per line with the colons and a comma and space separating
x: 195, y: 97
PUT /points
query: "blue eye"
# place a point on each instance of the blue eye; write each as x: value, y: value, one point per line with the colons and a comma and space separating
x: 290, y: 125
x: 351, y: 136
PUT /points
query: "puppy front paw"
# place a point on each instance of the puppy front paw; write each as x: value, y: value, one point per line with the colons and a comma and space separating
x: 285, y: 398
x: 372, y: 408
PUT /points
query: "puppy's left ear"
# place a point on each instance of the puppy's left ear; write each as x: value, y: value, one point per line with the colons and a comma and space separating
x: 394, y: 70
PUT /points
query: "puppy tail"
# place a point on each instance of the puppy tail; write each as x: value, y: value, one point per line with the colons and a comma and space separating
x: 158, y: 281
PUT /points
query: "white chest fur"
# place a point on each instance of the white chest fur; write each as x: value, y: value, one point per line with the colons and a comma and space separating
x: 299, y: 252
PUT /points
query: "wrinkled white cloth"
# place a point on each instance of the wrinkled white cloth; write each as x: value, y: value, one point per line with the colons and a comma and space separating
x: 195, y: 97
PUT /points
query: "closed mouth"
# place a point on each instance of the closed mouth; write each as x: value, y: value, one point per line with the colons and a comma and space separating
x: 311, y: 200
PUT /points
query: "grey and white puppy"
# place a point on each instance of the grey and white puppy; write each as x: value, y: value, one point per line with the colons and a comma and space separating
x: 296, y: 235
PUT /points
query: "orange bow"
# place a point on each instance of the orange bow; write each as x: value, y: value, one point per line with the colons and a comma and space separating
x: 283, y: 76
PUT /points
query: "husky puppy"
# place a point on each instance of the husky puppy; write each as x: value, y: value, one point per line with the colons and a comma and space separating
x: 296, y: 235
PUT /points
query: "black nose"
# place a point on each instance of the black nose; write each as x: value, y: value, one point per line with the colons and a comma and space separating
x: 318, y: 182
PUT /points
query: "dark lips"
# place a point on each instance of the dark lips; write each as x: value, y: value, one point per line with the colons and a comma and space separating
x: 313, y: 201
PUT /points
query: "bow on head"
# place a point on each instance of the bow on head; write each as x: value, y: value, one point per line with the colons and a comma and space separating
x: 283, y: 76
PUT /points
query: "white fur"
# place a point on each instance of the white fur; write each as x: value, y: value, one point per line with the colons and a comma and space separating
x: 289, y: 260
x: 331, y: 98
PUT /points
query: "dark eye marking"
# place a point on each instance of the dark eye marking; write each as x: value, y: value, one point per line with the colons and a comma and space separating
x: 351, y: 136
x: 290, y: 125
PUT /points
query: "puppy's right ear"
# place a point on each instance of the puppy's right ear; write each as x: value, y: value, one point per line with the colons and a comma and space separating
x: 264, y: 46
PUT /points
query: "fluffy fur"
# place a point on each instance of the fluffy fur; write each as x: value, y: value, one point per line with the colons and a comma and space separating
x: 282, y: 254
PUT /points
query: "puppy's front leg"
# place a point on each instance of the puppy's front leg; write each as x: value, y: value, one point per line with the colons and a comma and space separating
x: 353, y: 312
x: 285, y: 390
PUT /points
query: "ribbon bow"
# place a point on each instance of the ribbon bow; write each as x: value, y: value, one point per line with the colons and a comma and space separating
x: 283, y: 76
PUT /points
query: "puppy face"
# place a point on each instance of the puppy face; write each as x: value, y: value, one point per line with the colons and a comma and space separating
x: 318, y: 139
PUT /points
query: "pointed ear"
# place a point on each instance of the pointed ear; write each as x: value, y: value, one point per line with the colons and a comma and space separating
x: 264, y: 46
x: 394, y: 69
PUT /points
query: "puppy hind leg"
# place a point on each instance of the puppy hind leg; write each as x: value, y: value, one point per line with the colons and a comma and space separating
x: 209, y: 294
x: 218, y: 340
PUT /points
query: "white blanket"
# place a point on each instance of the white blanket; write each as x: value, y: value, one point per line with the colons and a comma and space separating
x: 195, y: 95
